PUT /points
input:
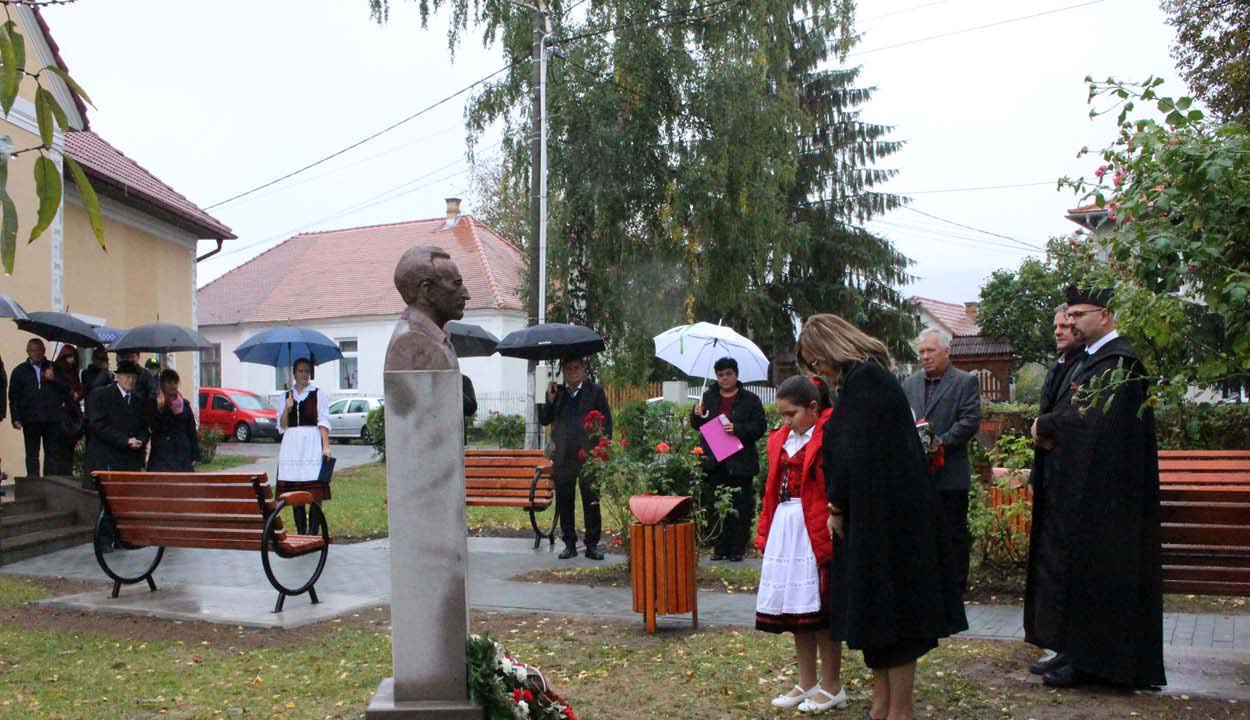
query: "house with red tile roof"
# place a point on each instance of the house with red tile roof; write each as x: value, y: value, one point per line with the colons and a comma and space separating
x: 151, y: 231
x: 954, y: 318
x: 340, y: 282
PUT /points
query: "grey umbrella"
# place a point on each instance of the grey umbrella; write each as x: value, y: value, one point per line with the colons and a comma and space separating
x: 59, y: 327
x: 162, y: 338
x: 10, y: 309
x: 470, y: 340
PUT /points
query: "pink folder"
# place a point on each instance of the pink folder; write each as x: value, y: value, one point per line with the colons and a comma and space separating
x: 722, y: 443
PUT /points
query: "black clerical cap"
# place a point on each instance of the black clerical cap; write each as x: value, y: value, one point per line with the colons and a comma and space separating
x: 128, y: 367
x: 1100, y: 297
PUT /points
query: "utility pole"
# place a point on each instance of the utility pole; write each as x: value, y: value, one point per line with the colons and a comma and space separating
x: 538, y: 215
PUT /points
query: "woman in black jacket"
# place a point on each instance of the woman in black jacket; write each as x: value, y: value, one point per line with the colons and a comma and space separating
x: 744, y: 419
x: 175, y: 444
x: 899, y: 590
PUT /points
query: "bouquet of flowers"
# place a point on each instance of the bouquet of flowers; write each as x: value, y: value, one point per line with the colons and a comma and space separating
x: 934, y: 450
x: 508, y: 689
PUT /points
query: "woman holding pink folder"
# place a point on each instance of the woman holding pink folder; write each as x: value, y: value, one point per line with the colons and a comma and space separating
x: 741, y: 415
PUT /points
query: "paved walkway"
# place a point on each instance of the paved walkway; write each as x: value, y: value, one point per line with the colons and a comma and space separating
x: 230, y: 587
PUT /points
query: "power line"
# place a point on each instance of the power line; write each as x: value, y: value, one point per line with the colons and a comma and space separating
x: 962, y: 31
x: 944, y: 235
x: 377, y: 134
x: 1023, y: 244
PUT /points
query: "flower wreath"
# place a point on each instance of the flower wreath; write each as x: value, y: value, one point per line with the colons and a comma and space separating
x: 508, y: 689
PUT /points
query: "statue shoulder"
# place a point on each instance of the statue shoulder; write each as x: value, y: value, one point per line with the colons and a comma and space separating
x: 415, y: 350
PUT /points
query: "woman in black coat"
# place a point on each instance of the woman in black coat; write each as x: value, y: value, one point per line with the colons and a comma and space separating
x: 899, y: 592
x: 175, y: 444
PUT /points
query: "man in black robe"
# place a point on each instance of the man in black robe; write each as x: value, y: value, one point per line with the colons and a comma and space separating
x: 1109, y: 625
x: 1043, y: 595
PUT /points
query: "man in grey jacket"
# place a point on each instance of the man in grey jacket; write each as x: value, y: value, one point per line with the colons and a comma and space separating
x: 950, y: 401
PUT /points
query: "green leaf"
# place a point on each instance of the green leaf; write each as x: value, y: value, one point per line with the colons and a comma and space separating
x: 10, y: 76
x: 90, y: 200
x: 8, y: 219
x: 48, y: 188
x: 19, y: 44
x: 73, y: 85
x: 57, y: 111
x: 43, y: 115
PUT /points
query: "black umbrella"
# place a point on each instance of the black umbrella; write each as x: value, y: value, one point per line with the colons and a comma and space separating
x: 470, y: 340
x: 10, y: 309
x: 59, y: 327
x: 162, y: 338
x: 550, y: 341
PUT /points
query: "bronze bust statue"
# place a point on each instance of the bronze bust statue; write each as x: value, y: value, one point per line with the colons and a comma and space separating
x: 430, y: 283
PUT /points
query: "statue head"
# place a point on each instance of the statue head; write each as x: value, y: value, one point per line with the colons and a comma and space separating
x: 427, y: 279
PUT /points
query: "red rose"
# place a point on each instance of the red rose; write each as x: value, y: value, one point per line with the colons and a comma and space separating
x: 624, y: 442
x: 517, y: 696
x: 604, y: 442
x: 663, y: 448
x: 696, y: 450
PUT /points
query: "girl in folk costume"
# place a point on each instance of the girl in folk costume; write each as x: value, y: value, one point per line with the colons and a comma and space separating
x: 305, y: 427
x: 797, y: 547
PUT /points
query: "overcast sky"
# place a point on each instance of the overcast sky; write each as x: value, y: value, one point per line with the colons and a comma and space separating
x: 216, y: 98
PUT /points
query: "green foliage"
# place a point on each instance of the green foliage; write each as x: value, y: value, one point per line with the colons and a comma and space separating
x: 1029, y: 379
x: 375, y: 423
x: 1203, y: 426
x: 209, y: 440
x: 505, y: 431
x: 1176, y: 186
x: 1014, y: 452
x: 47, y: 175
x: 1212, y: 51
x: 1000, y: 547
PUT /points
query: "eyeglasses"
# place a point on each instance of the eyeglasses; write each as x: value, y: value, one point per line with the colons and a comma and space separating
x: 1078, y: 314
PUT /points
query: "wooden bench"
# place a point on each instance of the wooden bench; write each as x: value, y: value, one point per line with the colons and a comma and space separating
x: 1206, y: 538
x: 231, y: 511
x: 1204, y: 467
x: 512, y: 478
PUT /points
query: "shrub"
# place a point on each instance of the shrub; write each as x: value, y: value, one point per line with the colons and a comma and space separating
x: 1029, y: 379
x: 1203, y: 426
x: 209, y: 440
x: 376, y: 424
x: 505, y: 431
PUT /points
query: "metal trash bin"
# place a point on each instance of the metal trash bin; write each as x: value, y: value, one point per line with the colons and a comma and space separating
x: 663, y: 558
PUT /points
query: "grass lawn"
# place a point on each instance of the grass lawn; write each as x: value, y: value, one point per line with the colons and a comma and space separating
x: 358, y: 510
x: 61, y: 664
x: 224, y: 462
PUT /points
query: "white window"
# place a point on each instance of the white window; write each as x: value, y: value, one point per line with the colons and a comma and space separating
x: 348, y: 379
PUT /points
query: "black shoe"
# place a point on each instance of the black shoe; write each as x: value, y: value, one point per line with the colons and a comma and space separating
x: 718, y: 557
x: 593, y: 553
x: 735, y: 558
x: 1067, y: 676
x: 1042, y: 666
x: 570, y: 551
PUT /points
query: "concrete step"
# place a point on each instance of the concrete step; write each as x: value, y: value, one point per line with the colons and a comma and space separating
x: 42, y: 542
x: 23, y: 507
x: 14, y: 525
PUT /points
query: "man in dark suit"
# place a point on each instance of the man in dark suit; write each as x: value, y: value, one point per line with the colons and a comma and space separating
x: 119, y: 423
x: 565, y: 411
x: 35, y: 403
x: 950, y: 401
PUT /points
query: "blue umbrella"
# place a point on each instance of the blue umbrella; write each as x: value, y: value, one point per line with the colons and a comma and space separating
x: 282, y: 346
x: 108, y: 335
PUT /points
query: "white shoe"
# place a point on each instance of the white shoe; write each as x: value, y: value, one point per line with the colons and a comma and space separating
x: 812, y: 705
x: 785, y: 700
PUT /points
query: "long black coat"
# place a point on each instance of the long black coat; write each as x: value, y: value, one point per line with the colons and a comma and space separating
x: 174, y: 441
x: 894, y: 566
x: 112, y: 421
x: 1111, y: 615
x: 750, y: 424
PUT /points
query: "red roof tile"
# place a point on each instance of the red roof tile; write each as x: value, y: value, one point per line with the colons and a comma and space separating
x: 979, y: 345
x: 952, y: 316
x: 353, y: 270
x: 115, y: 175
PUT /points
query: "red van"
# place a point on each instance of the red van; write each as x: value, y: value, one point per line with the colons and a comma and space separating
x: 239, y: 414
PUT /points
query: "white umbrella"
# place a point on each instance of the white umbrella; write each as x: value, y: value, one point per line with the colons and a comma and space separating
x: 694, y: 349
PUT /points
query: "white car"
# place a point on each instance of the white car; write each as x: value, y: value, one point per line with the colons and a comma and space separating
x: 348, y: 417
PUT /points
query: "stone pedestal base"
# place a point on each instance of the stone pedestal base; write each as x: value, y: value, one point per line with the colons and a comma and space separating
x: 384, y: 707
